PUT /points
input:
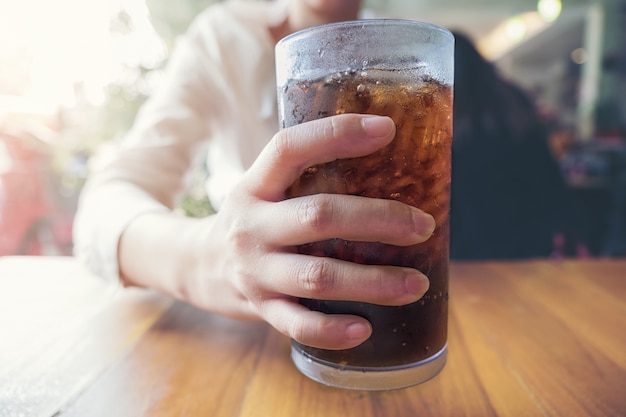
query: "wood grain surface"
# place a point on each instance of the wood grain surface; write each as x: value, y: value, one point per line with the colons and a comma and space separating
x: 534, y: 338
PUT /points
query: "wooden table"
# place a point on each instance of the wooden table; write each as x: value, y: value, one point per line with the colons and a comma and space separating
x: 537, y: 338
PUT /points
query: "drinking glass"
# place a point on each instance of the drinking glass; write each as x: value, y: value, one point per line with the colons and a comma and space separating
x: 402, y: 69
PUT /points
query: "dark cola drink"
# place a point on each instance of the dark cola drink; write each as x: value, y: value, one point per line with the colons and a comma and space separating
x: 413, y: 169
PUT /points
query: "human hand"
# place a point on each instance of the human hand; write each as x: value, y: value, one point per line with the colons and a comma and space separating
x: 249, y: 267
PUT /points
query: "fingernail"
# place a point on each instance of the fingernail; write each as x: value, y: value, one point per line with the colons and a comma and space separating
x: 358, y: 330
x: 377, y: 126
x: 416, y: 283
x: 424, y: 223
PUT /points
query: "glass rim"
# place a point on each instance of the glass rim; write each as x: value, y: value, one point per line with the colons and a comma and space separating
x: 375, y: 22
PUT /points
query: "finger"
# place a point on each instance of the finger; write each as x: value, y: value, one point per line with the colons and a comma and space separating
x: 326, y: 216
x: 294, y: 149
x: 312, y: 328
x: 326, y: 278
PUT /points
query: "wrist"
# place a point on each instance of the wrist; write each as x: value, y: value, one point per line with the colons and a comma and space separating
x: 160, y: 251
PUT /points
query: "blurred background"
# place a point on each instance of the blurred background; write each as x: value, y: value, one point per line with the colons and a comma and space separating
x: 74, y: 72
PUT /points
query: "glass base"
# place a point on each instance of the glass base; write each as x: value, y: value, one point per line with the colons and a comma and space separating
x: 370, y: 379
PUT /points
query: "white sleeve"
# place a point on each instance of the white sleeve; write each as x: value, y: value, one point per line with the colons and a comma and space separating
x: 147, y: 173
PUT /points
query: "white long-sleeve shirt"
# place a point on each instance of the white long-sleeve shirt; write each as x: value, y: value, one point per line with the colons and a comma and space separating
x: 217, y: 101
